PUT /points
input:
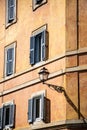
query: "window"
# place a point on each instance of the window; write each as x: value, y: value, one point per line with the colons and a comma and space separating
x: 10, y: 12
x: 38, y: 46
x: 10, y: 60
x: 37, y: 3
x: 37, y: 106
x: 7, y: 115
x: 38, y: 110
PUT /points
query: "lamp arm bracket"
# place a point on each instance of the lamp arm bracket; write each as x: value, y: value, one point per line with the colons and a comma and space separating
x: 55, y: 87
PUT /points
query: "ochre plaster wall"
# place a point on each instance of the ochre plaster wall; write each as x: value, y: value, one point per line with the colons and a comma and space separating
x: 52, y: 14
x: 76, y: 43
x: 57, y: 102
x: 65, y: 35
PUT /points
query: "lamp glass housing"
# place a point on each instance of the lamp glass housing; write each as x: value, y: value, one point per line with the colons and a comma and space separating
x: 43, y: 74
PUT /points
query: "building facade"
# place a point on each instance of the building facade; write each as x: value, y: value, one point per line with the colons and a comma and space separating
x: 36, y: 34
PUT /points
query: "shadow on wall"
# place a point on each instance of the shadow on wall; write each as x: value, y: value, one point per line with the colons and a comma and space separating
x: 60, y: 89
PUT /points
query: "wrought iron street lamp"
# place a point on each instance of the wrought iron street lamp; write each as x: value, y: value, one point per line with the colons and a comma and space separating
x: 43, y: 75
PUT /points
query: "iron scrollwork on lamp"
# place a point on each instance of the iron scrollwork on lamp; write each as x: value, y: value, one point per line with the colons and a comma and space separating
x: 43, y: 75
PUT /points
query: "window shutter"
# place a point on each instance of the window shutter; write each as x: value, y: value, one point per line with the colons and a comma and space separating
x: 12, y: 113
x: 32, y: 50
x: 10, y: 60
x: 42, y: 106
x: 43, y: 45
x: 46, y: 110
x: 1, y: 115
x: 11, y: 6
x: 4, y: 116
x: 30, y: 110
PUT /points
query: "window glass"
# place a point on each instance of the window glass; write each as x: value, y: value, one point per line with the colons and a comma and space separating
x: 38, y: 42
x: 10, y: 60
x: 37, y: 108
x: 38, y: 3
x: 7, y: 115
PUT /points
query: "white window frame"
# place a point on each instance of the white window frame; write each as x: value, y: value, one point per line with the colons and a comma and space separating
x: 13, y: 45
x: 34, y: 99
x: 35, y: 34
x: 7, y: 17
x: 6, y: 105
x: 35, y: 96
x: 40, y: 48
x: 35, y: 6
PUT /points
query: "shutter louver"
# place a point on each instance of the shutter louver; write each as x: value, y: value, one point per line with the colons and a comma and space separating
x: 43, y: 45
x: 11, y: 6
x: 32, y: 50
x: 1, y: 115
x: 30, y: 110
x: 12, y: 113
x: 46, y: 110
x: 42, y: 107
x: 10, y: 60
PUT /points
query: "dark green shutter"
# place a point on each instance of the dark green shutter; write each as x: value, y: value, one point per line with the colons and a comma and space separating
x: 10, y: 60
x: 12, y: 115
x: 1, y: 115
x: 30, y: 110
x: 11, y: 6
x: 43, y: 45
x: 32, y: 50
